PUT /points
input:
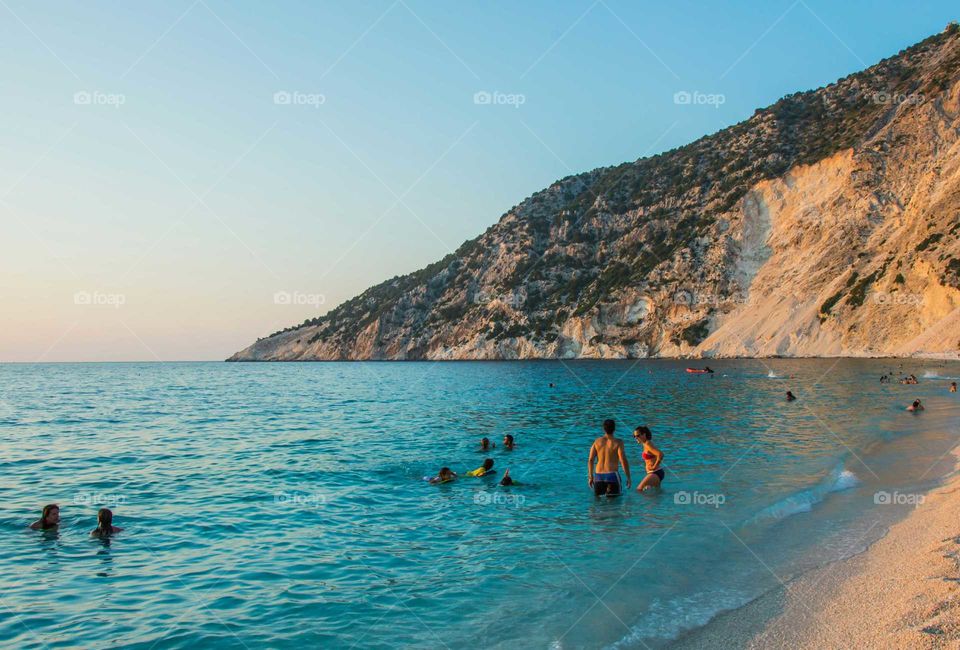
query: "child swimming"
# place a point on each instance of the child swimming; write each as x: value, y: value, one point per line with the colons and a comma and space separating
x: 485, y: 470
x: 443, y: 476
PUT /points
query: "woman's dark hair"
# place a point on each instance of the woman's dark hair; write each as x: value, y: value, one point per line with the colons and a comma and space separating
x: 46, y: 511
x: 644, y: 431
x: 488, y: 463
x: 105, y: 521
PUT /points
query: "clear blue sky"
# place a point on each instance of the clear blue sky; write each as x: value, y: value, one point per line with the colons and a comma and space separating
x: 156, y: 214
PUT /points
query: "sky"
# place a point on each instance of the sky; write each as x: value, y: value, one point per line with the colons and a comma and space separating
x: 180, y: 178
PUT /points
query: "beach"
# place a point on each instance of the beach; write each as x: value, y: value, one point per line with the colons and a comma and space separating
x: 902, y: 592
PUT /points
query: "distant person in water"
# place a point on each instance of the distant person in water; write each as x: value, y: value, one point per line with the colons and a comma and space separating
x: 652, y: 457
x: 551, y: 385
x: 953, y: 387
x: 790, y: 396
x: 485, y: 444
x: 508, y: 443
x: 506, y: 480
x: 483, y: 470
x: 916, y: 406
x: 603, y: 464
x: 105, y: 527
x: 444, y: 475
x: 49, y: 518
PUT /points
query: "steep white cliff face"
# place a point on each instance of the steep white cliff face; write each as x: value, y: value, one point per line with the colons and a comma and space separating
x: 848, y: 250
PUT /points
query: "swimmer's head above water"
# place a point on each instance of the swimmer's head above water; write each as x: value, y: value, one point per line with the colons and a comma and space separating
x: 49, y: 518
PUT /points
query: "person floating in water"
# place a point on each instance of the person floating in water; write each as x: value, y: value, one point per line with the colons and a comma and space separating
x: 484, y: 470
x: 506, y: 480
x: 49, y: 518
x: 953, y: 387
x: 652, y: 457
x: 105, y: 527
x: 790, y: 396
x: 607, y: 453
x: 485, y: 444
x: 508, y: 443
x: 916, y: 406
x: 443, y: 476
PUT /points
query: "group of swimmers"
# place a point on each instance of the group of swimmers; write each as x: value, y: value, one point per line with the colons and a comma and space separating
x: 50, y: 520
x: 445, y: 475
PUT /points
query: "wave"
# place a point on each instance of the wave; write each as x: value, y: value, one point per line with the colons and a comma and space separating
x: 773, y: 375
x: 931, y: 374
x: 668, y: 620
x: 839, y: 479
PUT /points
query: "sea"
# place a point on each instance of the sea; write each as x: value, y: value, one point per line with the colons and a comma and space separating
x: 283, y: 505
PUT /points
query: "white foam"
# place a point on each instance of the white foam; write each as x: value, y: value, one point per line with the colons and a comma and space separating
x: 803, y: 501
x: 667, y: 620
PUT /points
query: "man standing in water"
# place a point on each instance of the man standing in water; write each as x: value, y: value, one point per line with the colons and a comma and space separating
x: 608, y: 454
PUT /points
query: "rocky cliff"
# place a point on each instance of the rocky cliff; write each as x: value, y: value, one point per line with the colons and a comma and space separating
x: 826, y: 224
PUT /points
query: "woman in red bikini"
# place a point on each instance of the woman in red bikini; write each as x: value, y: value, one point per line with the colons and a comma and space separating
x: 653, y: 458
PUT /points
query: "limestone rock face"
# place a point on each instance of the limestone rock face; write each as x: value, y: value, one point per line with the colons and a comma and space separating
x: 826, y: 224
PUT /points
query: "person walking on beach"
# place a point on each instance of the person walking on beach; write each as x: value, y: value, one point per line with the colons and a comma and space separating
x: 606, y: 456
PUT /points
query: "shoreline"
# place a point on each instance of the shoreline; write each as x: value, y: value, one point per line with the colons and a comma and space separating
x: 902, y: 591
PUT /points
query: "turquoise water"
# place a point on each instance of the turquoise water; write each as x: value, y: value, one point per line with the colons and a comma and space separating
x: 282, y: 506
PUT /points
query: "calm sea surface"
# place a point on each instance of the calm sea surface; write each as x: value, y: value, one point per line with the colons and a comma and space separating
x: 283, y: 506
